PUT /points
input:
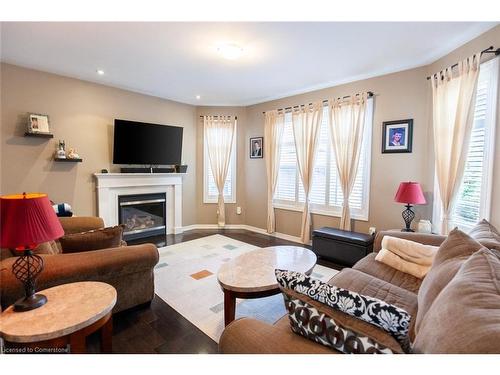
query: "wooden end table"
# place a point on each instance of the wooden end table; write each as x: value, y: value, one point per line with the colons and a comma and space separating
x: 72, y: 312
x: 251, y: 275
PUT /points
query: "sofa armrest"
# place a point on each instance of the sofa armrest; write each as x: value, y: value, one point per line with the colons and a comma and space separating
x: 98, y: 265
x: 250, y: 336
x: 78, y: 224
x: 423, y: 238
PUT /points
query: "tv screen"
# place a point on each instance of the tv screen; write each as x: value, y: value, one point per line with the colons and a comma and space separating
x: 143, y: 143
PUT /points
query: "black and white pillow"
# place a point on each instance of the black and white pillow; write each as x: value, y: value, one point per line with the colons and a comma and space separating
x: 388, y: 317
x: 307, y: 321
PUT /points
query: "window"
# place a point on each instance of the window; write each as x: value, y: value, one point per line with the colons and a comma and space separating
x: 210, y: 193
x: 473, y: 201
x: 326, y: 195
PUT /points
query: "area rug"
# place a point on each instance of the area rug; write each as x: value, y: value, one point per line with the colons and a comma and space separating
x: 186, y: 279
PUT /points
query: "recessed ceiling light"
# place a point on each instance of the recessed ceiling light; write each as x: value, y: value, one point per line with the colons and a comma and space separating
x: 100, y: 72
x: 230, y: 51
x: 198, y: 97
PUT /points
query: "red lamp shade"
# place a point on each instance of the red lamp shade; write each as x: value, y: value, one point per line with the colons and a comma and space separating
x: 410, y: 193
x: 27, y: 220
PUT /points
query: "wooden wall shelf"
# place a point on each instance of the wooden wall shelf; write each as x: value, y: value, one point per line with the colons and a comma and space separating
x: 39, y: 135
x: 68, y: 160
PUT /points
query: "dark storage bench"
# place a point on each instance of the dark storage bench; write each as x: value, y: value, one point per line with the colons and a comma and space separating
x: 341, y: 246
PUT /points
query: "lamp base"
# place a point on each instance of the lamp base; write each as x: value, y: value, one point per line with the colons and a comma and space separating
x: 407, y: 230
x: 30, y: 303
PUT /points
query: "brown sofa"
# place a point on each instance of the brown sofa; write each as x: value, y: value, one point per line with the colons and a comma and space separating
x: 372, y: 278
x: 129, y: 269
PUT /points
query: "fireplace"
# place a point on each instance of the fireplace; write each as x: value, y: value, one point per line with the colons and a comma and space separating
x: 142, y: 214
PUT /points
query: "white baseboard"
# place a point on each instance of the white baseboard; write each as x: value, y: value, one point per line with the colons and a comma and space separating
x: 250, y: 228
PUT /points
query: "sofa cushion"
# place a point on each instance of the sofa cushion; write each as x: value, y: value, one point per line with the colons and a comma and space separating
x: 486, y: 234
x: 251, y: 336
x: 49, y: 248
x: 464, y: 317
x: 384, y: 272
x: 92, y: 240
x: 453, y: 252
x: 306, y: 298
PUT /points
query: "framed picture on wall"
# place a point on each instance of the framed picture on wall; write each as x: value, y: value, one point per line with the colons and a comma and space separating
x: 256, y: 148
x: 38, y: 123
x: 397, y: 136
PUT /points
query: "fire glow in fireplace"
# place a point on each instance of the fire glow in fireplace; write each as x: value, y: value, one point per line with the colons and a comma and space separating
x: 143, y: 215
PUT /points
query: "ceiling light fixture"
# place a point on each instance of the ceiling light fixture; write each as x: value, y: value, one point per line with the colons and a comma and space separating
x: 230, y: 51
x: 100, y: 72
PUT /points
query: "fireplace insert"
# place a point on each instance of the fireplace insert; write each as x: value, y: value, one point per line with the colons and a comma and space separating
x: 142, y: 214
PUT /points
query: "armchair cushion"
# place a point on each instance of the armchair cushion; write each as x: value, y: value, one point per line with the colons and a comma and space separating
x: 78, y: 224
x: 92, y: 240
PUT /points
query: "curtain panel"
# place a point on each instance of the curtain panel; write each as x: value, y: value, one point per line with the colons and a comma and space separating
x: 346, y: 125
x: 306, y: 122
x: 453, y: 100
x: 273, y: 132
x: 219, y: 135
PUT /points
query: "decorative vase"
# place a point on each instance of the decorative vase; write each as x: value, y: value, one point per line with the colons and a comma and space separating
x: 424, y: 226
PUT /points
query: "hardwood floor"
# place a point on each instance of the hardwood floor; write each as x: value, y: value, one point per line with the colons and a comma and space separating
x: 158, y: 328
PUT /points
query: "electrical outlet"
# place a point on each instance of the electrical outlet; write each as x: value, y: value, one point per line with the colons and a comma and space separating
x: 238, y: 210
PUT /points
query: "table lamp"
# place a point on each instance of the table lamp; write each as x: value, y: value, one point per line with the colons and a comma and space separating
x: 26, y: 221
x: 409, y: 193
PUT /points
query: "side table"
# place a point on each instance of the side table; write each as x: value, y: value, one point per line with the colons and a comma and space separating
x: 72, y: 312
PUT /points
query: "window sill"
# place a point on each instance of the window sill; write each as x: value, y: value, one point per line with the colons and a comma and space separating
x: 318, y: 211
x: 214, y: 201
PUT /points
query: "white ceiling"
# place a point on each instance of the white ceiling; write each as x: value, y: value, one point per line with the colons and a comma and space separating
x: 178, y: 61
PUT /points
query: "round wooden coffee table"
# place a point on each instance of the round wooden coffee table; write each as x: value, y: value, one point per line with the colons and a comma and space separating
x: 72, y: 312
x: 251, y: 275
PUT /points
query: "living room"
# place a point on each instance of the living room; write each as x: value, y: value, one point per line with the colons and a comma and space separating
x: 246, y: 190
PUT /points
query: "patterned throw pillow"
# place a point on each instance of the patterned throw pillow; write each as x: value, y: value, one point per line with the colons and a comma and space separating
x: 307, y: 321
x: 389, y: 318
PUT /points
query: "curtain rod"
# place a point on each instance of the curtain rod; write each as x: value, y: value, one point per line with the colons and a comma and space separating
x: 490, y: 49
x: 235, y: 117
x: 370, y: 94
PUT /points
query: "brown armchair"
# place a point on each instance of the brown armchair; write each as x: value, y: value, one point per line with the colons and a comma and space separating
x: 129, y: 269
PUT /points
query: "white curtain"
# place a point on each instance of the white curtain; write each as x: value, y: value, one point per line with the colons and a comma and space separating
x: 306, y: 122
x: 219, y: 134
x: 347, y: 123
x: 273, y: 132
x: 453, y: 99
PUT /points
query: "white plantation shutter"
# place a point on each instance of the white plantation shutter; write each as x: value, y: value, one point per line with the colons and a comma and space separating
x: 288, y: 172
x: 210, y: 192
x: 326, y: 194
x: 472, y: 202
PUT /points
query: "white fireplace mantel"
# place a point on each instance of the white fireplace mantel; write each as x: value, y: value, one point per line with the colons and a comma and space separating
x: 111, y: 185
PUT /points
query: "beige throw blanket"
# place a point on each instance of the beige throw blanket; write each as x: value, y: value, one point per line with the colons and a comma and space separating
x: 407, y: 256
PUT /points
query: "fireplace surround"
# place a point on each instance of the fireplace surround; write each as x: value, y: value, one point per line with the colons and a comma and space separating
x: 112, y: 188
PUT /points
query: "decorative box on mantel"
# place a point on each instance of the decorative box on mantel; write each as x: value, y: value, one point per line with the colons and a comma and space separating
x: 164, y: 189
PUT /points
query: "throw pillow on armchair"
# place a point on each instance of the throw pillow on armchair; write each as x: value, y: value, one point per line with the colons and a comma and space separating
x: 92, y: 240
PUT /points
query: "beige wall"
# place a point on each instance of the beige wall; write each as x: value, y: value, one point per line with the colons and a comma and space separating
x: 207, y: 212
x: 397, y: 96
x: 82, y: 114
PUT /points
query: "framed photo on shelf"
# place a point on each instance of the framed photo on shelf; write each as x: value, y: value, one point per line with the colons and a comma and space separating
x: 38, y: 123
x: 397, y: 136
x: 256, y: 148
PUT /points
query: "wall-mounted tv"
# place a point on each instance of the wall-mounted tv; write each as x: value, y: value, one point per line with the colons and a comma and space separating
x: 147, y: 144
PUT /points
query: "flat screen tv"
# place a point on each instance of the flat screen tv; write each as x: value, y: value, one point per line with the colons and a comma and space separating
x: 143, y: 143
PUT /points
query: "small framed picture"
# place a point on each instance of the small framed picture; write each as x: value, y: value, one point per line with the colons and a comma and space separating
x: 38, y: 123
x: 397, y: 136
x: 256, y: 148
